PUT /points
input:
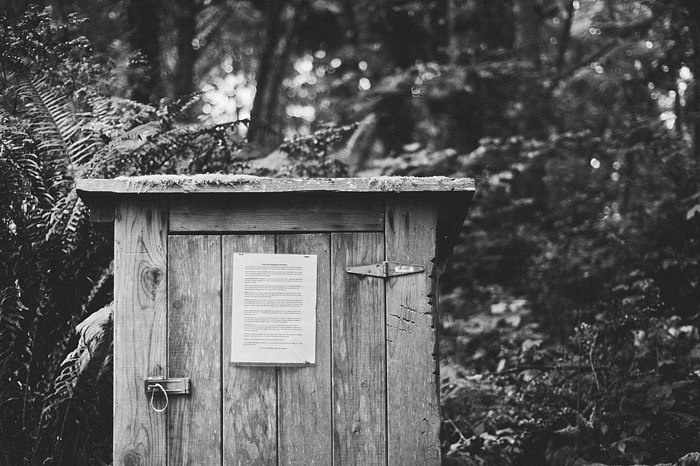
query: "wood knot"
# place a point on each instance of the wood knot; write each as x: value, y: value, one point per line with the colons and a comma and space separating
x: 132, y: 458
x: 151, y: 278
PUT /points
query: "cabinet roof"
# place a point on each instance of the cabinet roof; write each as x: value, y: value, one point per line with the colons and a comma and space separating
x: 214, y: 183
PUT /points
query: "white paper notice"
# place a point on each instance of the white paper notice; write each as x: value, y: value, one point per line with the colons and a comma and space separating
x: 274, y: 309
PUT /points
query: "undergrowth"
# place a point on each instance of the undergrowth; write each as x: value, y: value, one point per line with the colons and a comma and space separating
x: 630, y: 378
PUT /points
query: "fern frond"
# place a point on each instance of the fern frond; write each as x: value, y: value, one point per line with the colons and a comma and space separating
x: 66, y: 218
x: 107, y: 274
x: 4, y: 113
x: 86, y: 360
x: 111, y: 159
x: 143, y: 132
x: 50, y: 119
x: 13, y: 352
x: 125, y: 125
x: 83, y: 149
x: 352, y: 152
x: 21, y: 168
x: 167, y: 113
x: 188, y: 142
x: 119, y: 115
x: 53, y: 122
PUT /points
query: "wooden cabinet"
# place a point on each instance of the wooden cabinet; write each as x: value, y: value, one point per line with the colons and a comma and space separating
x: 371, y: 398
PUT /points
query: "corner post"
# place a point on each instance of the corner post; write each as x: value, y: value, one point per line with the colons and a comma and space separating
x: 140, y: 328
x: 413, y: 413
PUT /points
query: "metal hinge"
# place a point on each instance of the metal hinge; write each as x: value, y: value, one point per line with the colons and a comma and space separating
x: 171, y: 386
x: 385, y: 269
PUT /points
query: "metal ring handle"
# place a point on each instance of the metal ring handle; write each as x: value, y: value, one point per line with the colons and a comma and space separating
x: 153, y: 394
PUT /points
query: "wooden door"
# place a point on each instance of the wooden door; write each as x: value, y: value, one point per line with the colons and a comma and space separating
x: 279, y: 415
x: 371, y: 397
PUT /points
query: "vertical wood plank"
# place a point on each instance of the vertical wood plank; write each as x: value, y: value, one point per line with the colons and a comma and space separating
x: 358, y: 334
x: 140, y: 329
x: 194, y: 347
x: 413, y: 416
x: 305, y: 430
x: 249, y: 393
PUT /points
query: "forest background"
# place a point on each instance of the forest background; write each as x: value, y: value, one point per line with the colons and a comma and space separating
x: 570, y: 308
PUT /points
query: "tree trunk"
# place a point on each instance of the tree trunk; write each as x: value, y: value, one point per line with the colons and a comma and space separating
x: 565, y: 37
x: 453, y: 41
x: 693, y: 11
x: 294, y: 19
x: 186, y: 29
x: 679, y: 111
x: 143, y: 23
x: 532, y: 95
x: 527, y: 30
x: 258, y: 117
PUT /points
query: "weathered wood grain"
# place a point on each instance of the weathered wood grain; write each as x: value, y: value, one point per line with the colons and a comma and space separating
x: 194, y: 347
x: 252, y: 184
x: 249, y: 392
x: 283, y: 213
x: 359, y: 398
x: 413, y: 416
x: 140, y: 330
x: 305, y: 429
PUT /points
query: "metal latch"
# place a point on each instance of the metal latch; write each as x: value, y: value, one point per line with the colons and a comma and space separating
x: 171, y: 386
x: 385, y: 269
